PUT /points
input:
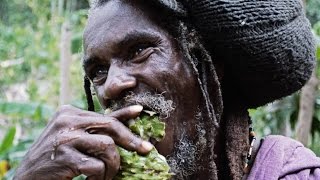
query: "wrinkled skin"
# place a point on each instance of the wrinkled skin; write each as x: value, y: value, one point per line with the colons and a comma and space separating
x: 80, y: 142
x: 125, y: 51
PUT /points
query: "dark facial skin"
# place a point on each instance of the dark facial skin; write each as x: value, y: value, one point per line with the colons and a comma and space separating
x: 126, y: 51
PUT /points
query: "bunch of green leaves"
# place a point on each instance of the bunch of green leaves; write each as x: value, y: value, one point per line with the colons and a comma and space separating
x: 151, y: 166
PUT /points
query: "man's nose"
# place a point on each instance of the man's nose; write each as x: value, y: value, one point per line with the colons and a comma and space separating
x: 118, y: 81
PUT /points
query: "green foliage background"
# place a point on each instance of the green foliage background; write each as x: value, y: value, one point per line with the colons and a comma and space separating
x: 29, y: 63
x: 30, y: 33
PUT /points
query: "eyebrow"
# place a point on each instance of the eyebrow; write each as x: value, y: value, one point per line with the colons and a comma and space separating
x: 135, y: 36
x: 129, y: 38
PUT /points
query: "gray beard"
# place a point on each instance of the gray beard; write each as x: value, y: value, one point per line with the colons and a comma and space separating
x: 184, y: 161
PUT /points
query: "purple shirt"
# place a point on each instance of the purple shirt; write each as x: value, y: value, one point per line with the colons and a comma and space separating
x: 280, y: 157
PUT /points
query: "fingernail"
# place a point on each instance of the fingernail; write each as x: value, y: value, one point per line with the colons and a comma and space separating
x: 147, y: 145
x: 136, y: 108
x: 107, y: 111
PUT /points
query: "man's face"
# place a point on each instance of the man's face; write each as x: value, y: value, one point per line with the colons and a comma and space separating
x: 127, y: 53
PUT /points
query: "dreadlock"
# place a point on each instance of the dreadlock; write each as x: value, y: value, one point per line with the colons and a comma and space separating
x: 192, y: 49
x: 87, y: 88
x: 235, y: 116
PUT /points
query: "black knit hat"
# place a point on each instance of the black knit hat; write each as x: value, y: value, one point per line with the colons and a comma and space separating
x: 266, y: 45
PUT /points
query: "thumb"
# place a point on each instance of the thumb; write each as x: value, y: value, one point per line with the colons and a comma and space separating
x: 127, y: 113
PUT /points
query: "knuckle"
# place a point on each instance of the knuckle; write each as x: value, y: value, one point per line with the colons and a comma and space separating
x: 60, y: 113
x: 107, y: 144
x: 62, y: 143
x: 101, y: 146
x: 95, y: 165
x: 62, y: 121
x: 134, y: 142
x: 111, y: 119
x: 115, y: 155
x: 112, y: 157
x: 90, y: 164
x: 113, y: 146
x: 65, y: 108
x: 116, y: 127
x: 61, y: 151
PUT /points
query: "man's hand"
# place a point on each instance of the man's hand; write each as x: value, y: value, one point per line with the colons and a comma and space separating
x: 81, y: 142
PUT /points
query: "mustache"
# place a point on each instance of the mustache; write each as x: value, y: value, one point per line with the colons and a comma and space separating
x: 155, y: 102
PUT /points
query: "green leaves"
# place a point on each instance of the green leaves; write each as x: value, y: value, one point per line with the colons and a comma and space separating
x: 29, y: 69
x: 31, y: 117
x: 8, y: 139
x: 153, y: 165
x: 136, y: 167
x: 35, y: 111
x: 148, y: 127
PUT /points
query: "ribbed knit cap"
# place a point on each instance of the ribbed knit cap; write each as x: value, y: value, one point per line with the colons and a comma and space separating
x: 266, y: 45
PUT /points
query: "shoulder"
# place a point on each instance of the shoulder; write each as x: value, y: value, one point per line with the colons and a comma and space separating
x: 283, y: 157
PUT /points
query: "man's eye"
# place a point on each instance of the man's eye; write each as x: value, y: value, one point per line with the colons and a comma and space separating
x: 101, y: 72
x: 141, y: 52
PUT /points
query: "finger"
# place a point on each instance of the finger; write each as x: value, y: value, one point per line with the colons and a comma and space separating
x: 79, y: 163
x: 120, y: 134
x: 127, y: 113
x: 71, y: 110
x: 101, y: 147
x: 83, y: 119
x: 110, y: 126
x: 93, y: 168
x: 87, y: 120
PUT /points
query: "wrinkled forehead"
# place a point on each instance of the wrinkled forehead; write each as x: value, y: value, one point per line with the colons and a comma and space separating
x: 111, y: 22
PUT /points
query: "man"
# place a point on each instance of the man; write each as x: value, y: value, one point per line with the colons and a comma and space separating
x: 200, y: 65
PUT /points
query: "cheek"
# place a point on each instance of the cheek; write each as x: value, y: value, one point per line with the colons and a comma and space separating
x: 182, y: 75
x: 180, y: 81
x: 166, y: 73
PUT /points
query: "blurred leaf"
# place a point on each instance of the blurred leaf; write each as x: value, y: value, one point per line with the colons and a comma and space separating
x: 317, y: 114
x: 76, y: 43
x: 81, y: 177
x: 313, y: 12
x: 315, y: 126
x: 33, y: 110
x: 7, y: 141
x: 314, y: 144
